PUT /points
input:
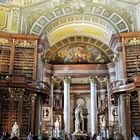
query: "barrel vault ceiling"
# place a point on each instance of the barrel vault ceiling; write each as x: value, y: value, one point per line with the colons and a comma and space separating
x: 91, y: 20
x: 72, y: 22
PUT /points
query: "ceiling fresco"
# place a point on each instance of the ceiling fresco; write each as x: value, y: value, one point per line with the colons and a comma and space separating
x: 79, y: 53
x: 78, y: 50
x: 78, y: 31
x: 97, y: 21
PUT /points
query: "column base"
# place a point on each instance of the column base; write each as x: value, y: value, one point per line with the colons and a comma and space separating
x: 78, y: 135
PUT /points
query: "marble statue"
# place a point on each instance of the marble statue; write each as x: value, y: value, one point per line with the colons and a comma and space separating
x: 78, y: 119
x: 57, y: 128
x: 15, y: 130
x: 30, y: 136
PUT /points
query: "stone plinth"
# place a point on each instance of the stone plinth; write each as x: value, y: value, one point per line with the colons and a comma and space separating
x: 77, y: 136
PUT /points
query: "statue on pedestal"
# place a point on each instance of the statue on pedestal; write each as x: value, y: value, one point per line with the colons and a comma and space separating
x: 57, y: 128
x: 78, y: 119
x: 15, y: 130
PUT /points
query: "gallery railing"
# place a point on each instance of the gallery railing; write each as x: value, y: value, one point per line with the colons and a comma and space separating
x: 121, y: 85
x: 22, y: 82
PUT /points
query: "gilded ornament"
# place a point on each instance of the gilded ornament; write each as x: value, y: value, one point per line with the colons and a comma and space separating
x: 25, y: 44
x: 78, y: 6
x: 102, y: 80
x: 116, y: 57
x: 3, y: 18
x: 93, y: 79
x: 67, y: 79
x: 3, y: 42
x: 133, y: 42
x: 15, y: 12
x: 43, y: 58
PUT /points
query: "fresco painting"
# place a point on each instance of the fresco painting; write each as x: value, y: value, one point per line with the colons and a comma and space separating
x: 79, y: 54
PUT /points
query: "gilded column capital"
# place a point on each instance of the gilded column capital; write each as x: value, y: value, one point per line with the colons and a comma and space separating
x: 93, y: 80
x: 116, y: 57
x: 21, y: 91
x: 126, y: 97
x: 33, y: 96
x: 138, y: 91
x: 12, y: 92
x: 102, y: 80
x: 52, y: 79
x: 67, y: 79
x: 99, y: 79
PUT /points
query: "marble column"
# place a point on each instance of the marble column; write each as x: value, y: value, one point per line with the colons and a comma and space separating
x: 93, y: 106
x: 52, y: 101
x: 67, y: 105
x: 112, y: 72
x: 125, y: 117
x: 33, y: 104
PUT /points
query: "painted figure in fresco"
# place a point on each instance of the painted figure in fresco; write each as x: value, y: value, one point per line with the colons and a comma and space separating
x: 79, y: 53
x: 15, y: 130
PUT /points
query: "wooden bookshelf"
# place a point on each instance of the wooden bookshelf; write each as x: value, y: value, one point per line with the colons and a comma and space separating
x: 18, y: 55
x: 131, y: 61
x: 4, y: 59
x: 24, y: 62
x: 26, y: 115
x: 16, y: 106
x: 130, y: 46
x: 5, y: 112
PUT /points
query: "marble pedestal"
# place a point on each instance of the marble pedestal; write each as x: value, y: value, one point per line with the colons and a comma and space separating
x: 76, y: 136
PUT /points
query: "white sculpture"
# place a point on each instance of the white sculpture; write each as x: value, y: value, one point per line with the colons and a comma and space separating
x: 15, y: 130
x: 78, y: 119
x: 57, y: 128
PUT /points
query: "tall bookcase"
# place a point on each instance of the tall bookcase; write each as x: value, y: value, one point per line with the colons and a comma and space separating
x: 129, y: 43
x: 5, y: 55
x: 18, y: 55
x: 132, y: 60
x: 26, y: 114
x: 5, y: 112
x: 24, y: 60
x: 17, y: 105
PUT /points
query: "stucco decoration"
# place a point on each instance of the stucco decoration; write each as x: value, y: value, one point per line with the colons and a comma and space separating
x: 3, y: 17
x: 114, y: 17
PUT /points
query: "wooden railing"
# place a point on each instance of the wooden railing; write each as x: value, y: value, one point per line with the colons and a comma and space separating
x: 121, y: 85
x: 22, y: 82
x: 38, y: 86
